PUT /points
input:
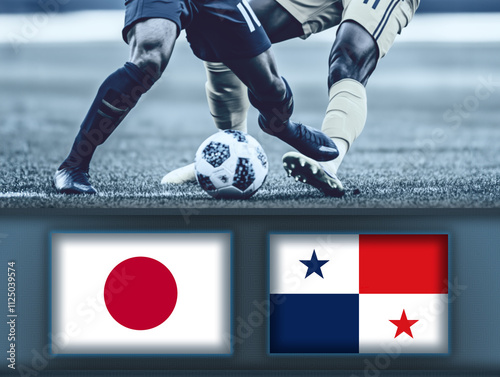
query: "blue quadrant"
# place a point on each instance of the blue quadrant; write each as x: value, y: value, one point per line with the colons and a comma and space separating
x: 315, y: 323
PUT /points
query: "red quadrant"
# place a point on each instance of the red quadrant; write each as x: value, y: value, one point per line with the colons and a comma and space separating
x: 412, y: 263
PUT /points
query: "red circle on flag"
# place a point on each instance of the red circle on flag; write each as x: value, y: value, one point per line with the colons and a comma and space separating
x: 140, y: 293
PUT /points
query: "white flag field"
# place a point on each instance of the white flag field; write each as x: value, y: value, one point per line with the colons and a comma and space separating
x: 140, y: 293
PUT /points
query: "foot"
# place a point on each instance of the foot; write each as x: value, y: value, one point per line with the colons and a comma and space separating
x: 308, y: 141
x: 274, y: 119
x: 73, y: 181
x: 185, y: 174
x: 309, y: 171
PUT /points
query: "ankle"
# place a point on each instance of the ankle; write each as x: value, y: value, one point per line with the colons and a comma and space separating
x: 333, y: 165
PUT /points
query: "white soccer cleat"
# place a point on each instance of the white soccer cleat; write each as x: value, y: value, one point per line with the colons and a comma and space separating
x: 185, y: 174
x: 312, y: 172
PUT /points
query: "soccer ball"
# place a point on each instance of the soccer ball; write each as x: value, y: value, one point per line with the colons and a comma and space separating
x: 231, y: 165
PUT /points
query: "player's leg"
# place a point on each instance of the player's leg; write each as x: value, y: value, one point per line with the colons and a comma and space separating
x: 226, y: 94
x: 271, y: 95
x: 365, y: 36
x: 353, y: 58
x: 228, y: 102
x: 151, y: 42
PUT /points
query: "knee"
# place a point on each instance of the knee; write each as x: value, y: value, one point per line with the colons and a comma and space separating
x: 151, y: 44
x: 354, y: 54
x: 151, y: 57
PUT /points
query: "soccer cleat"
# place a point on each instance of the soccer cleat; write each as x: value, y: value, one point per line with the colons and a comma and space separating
x: 307, y: 170
x: 185, y: 174
x: 274, y: 119
x: 73, y: 181
x: 308, y: 141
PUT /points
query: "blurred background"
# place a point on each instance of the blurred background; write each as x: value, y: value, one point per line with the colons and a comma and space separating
x: 28, y: 6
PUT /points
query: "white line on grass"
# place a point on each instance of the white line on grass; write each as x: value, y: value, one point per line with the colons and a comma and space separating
x: 121, y: 195
x: 8, y: 195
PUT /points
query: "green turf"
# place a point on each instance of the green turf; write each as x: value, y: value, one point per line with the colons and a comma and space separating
x: 408, y: 155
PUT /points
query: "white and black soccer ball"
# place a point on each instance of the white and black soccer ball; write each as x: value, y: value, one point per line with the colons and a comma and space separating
x: 231, y: 165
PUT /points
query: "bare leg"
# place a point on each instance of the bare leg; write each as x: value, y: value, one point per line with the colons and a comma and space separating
x: 272, y: 96
x: 151, y: 44
x: 354, y: 54
x: 260, y: 75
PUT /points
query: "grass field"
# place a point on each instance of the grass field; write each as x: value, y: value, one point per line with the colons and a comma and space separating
x: 431, y: 140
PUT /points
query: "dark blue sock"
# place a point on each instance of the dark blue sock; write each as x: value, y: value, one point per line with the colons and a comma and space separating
x: 117, y: 95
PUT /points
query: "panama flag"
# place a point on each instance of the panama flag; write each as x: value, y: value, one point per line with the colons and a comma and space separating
x: 140, y: 293
x: 359, y: 293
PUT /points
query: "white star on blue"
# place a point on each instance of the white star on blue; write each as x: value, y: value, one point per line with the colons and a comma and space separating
x: 314, y: 265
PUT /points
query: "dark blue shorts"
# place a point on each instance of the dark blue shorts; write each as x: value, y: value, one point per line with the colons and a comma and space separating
x: 217, y: 30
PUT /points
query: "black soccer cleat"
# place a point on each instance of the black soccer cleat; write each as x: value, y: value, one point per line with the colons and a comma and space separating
x: 73, y: 181
x: 311, y: 172
x: 308, y: 141
x: 274, y: 119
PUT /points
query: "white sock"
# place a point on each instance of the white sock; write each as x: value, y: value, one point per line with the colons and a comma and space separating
x: 342, y: 146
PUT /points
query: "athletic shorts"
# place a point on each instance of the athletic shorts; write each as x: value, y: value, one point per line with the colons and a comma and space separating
x: 383, y: 19
x: 217, y: 30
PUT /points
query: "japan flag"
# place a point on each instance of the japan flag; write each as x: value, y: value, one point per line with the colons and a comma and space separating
x: 140, y: 293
